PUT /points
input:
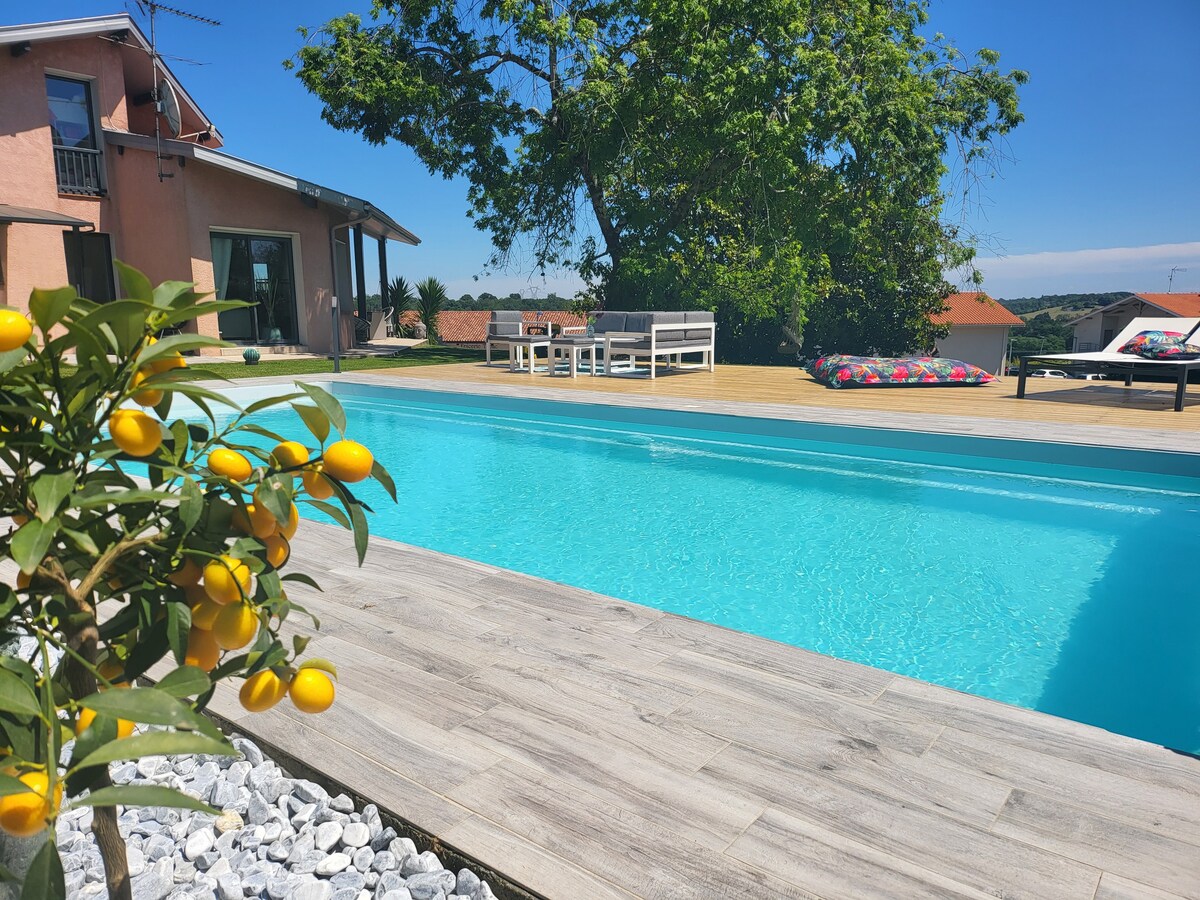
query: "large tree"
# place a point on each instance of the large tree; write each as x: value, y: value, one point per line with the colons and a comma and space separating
x: 779, y: 161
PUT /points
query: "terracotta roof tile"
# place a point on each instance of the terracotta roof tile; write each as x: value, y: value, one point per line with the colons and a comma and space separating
x: 1184, y: 305
x: 974, y: 308
x: 469, y: 326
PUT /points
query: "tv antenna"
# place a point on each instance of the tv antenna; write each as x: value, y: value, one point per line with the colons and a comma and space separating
x: 1171, y: 277
x: 166, y: 104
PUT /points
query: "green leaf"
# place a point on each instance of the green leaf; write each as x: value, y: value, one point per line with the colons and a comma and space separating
x: 10, y: 359
x: 143, y: 795
x: 17, y: 696
x: 177, y: 343
x: 10, y: 785
x: 328, y: 405
x: 156, y: 743
x: 116, y: 498
x: 134, y: 283
x: 179, y: 623
x: 268, y: 402
x: 29, y: 544
x: 330, y: 510
x: 186, y: 681
x: 44, y: 880
x: 147, y: 705
x: 49, y: 492
x: 48, y: 307
x: 380, y: 474
x: 314, y: 419
x: 82, y: 540
x: 166, y: 293
x: 191, y: 504
x: 276, y: 496
x: 358, y: 521
x: 302, y: 578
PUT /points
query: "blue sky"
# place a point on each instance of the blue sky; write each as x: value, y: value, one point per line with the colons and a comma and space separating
x: 1101, y: 191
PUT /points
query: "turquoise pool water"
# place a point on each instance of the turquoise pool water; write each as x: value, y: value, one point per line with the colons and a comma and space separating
x: 1063, y: 589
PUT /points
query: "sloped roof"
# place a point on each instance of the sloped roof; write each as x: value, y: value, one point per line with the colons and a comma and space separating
x: 974, y: 308
x: 469, y: 326
x: 1184, y: 305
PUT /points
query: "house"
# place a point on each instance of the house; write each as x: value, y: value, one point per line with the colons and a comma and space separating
x: 468, y: 327
x: 979, y: 329
x: 104, y: 155
x: 1096, y: 329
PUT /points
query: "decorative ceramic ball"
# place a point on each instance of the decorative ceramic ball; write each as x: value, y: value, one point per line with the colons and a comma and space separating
x: 251, y: 356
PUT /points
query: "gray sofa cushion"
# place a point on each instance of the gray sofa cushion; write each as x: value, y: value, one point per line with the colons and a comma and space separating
x: 609, y: 320
x: 638, y: 322
x: 526, y: 339
x: 504, y: 323
x: 668, y: 318
x: 698, y: 334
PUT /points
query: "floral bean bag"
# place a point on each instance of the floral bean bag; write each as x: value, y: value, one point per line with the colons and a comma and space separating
x: 849, y: 371
x: 1169, y: 349
x: 1135, y: 344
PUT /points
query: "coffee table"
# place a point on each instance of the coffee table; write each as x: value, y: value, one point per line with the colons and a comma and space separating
x: 573, y: 347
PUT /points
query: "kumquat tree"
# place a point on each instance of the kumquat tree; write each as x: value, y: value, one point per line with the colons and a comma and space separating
x: 146, y: 546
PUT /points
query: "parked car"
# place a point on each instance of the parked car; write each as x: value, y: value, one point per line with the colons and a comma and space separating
x: 1048, y: 373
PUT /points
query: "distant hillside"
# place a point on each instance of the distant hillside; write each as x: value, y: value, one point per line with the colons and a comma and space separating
x: 1062, y: 304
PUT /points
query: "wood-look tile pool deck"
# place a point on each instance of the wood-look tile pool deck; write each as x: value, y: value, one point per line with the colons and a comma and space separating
x: 592, y: 748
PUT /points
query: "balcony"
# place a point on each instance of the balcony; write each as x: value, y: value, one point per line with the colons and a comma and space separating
x: 78, y: 171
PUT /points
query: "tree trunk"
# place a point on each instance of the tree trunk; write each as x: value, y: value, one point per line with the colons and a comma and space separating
x: 82, y: 683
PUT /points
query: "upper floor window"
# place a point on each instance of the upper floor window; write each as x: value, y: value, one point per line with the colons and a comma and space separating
x: 73, y: 133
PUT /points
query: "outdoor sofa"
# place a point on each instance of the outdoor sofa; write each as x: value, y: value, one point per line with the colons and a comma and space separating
x: 1121, y: 358
x: 656, y: 335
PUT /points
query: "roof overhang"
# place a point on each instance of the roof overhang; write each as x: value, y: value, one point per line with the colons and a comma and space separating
x: 1112, y: 306
x: 375, y: 221
x: 29, y: 216
x: 101, y: 27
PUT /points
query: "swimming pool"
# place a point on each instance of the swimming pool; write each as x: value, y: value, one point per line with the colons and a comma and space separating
x: 1052, y: 577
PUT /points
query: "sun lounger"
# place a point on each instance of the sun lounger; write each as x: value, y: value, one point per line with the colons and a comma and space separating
x: 1110, y: 361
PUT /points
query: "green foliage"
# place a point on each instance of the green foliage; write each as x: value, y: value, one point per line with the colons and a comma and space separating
x: 431, y: 300
x: 780, y: 163
x: 91, y: 525
x: 400, y: 295
x: 1042, y: 333
x: 1074, y: 302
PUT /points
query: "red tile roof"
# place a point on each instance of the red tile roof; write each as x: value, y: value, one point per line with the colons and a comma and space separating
x: 469, y: 326
x: 974, y: 308
x: 1185, y: 306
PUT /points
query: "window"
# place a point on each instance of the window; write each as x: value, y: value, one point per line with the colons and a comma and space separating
x: 77, y: 158
x: 89, y: 264
x: 257, y: 268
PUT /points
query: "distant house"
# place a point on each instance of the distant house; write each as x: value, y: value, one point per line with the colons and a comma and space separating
x: 468, y: 327
x: 80, y: 186
x: 979, y: 329
x: 1097, y: 328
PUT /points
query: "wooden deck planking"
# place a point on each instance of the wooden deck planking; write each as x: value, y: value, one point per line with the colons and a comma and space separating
x: 1050, y: 408
x: 589, y: 747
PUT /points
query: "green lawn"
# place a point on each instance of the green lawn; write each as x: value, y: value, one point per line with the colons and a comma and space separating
x: 417, y: 356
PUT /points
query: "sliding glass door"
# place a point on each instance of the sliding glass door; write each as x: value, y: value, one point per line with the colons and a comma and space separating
x: 257, y: 268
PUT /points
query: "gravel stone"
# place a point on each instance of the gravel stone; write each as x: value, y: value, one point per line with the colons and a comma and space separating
x: 229, y: 887
x: 308, y: 792
x: 197, y: 843
x: 327, y: 835
x: 249, y: 750
x: 385, y: 837
x: 341, y: 803
x: 348, y: 879
x: 223, y: 794
x: 467, y: 883
x: 156, y: 882
x: 427, y: 885
x: 389, y: 881
x: 362, y: 858
x: 230, y: 820
x: 401, y: 894
x: 135, y: 859
x: 384, y: 860
x: 238, y: 772
x: 356, y: 834
x: 314, y: 890
x: 332, y: 864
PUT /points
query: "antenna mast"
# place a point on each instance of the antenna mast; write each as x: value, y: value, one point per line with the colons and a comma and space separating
x: 151, y: 8
x: 1171, y: 277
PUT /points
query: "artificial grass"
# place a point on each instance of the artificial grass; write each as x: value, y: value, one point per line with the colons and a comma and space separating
x: 417, y: 356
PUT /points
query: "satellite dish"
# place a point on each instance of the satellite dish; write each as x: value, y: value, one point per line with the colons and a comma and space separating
x: 168, y: 107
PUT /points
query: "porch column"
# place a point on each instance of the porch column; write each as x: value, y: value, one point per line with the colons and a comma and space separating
x: 383, y: 273
x: 360, y: 275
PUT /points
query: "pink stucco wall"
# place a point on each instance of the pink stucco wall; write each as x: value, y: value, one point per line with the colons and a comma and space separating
x: 161, y: 228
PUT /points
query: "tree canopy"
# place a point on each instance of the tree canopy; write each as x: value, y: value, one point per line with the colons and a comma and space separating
x: 780, y: 161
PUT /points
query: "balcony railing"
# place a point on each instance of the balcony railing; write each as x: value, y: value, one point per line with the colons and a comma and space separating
x: 78, y: 171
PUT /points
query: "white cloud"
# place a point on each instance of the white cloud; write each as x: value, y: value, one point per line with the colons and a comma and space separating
x: 1107, y: 269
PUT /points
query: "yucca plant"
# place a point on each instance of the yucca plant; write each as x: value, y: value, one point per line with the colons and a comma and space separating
x: 431, y: 297
x: 400, y: 295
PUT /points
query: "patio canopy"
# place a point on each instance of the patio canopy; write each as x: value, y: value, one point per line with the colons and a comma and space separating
x: 24, y: 214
